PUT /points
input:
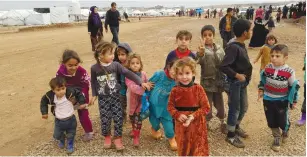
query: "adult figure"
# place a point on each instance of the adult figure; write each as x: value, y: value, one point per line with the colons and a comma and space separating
x: 259, y: 34
x: 259, y: 13
x: 252, y: 13
x: 214, y: 13
x: 291, y: 11
x: 221, y: 14
x: 94, y: 26
x: 285, y: 10
x: 226, y: 25
x: 112, y: 19
x: 248, y: 13
x: 126, y: 17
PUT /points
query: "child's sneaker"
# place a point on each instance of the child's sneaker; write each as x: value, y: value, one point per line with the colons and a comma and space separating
x: 70, y: 146
x: 240, y: 132
x: 156, y: 134
x: 119, y: 144
x: 235, y: 141
x: 302, y: 121
x: 284, y: 136
x: 61, y: 144
x: 276, y: 144
x: 173, y: 143
x: 88, y: 136
x: 107, y: 142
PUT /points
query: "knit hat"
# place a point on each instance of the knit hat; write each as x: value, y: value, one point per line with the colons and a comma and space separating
x: 125, y: 46
x: 206, y: 28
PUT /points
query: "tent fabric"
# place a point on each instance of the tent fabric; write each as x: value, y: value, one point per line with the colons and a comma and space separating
x: 59, y: 15
x: 38, y: 19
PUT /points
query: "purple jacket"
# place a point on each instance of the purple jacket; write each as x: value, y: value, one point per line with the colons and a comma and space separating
x: 80, y: 80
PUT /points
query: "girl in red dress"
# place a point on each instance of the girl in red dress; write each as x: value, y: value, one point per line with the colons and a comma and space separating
x: 188, y: 104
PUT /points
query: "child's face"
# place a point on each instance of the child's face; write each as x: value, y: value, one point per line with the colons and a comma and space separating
x: 59, y: 91
x: 135, y: 65
x: 185, y: 75
x: 108, y: 57
x: 248, y: 34
x: 208, y: 37
x: 71, y: 66
x: 183, y: 42
x: 271, y: 41
x: 122, y: 56
x: 278, y: 59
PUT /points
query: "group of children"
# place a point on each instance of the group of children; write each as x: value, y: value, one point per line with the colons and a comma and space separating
x: 183, y: 107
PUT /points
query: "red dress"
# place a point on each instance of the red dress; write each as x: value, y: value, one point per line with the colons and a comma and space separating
x: 191, y: 140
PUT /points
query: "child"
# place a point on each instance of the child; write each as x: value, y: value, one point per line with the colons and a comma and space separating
x: 106, y: 87
x: 270, y: 24
x: 302, y: 121
x: 123, y: 50
x: 158, y: 99
x: 210, y: 56
x: 278, y: 87
x: 278, y: 15
x: 237, y: 67
x: 188, y: 104
x: 265, y: 51
x: 135, y: 91
x: 183, y: 40
x: 62, y: 100
x: 76, y: 76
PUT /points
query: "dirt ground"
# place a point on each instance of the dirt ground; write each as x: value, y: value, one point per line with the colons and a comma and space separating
x: 29, y: 59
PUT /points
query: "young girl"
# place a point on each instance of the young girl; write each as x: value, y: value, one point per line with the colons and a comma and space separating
x: 210, y: 56
x: 76, y: 76
x: 106, y: 87
x: 270, y: 24
x: 123, y: 50
x: 135, y: 64
x: 158, y: 105
x: 264, y: 52
x: 188, y: 104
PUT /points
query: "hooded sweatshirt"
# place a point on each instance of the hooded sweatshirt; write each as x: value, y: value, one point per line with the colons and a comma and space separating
x: 80, y: 79
x: 122, y: 82
x: 236, y: 60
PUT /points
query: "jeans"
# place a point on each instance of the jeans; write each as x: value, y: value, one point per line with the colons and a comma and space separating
x: 237, y: 103
x: 226, y: 37
x: 63, y: 127
x: 114, y: 31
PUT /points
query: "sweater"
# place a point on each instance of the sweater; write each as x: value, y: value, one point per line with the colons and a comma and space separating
x: 104, y: 78
x: 236, y: 60
x: 176, y: 54
x: 264, y: 53
x: 277, y: 82
x: 79, y: 80
x: 112, y: 19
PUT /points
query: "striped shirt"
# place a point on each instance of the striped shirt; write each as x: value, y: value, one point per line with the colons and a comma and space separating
x: 278, y: 81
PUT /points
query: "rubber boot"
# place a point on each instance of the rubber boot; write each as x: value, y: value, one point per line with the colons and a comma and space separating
x: 61, y: 144
x: 118, y: 142
x: 302, y: 121
x: 107, y: 142
x: 70, y: 146
x: 136, y: 138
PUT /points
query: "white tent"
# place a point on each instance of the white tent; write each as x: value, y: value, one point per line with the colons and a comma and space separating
x: 2, y: 13
x: 136, y: 13
x: 152, y: 13
x: 15, y: 17
x: 59, y: 15
x: 38, y: 19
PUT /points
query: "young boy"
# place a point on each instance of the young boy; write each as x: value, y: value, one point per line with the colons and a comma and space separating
x: 226, y: 26
x: 236, y: 65
x: 278, y: 88
x: 183, y: 40
x: 210, y: 56
x: 62, y: 100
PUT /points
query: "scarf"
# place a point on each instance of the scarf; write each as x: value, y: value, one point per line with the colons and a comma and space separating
x: 95, y: 17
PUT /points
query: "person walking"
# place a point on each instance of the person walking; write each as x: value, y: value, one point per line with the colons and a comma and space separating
x: 112, y: 19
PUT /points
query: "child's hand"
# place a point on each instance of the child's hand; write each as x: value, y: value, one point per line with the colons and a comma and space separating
x: 260, y: 94
x: 188, y: 121
x: 151, y: 85
x: 82, y: 107
x: 241, y: 77
x: 146, y: 86
x: 45, y: 116
x: 201, y: 47
x: 92, y: 101
x: 182, y: 118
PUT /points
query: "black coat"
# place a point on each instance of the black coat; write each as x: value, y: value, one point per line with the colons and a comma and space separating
x: 94, y: 28
x: 259, y: 35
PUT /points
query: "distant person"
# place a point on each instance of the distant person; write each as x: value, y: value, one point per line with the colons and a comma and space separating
x: 259, y: 34
x: 252, y: 13
x: 226, y: 25
x: 199, y: 15
x: 112, y: 19
x: 291, y: 11
x: 278, y: 15
x: 259, y: 13
x: 94, y: 26
x: 126, y: 17
x: 248, y: 13
x: 285, y: 10
x: 214, y: 13
x: 270, y: 24
x: 221, y: 14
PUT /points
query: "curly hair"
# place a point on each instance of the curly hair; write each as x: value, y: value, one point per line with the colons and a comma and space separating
x: 184, y: 62
x: 102, y: 48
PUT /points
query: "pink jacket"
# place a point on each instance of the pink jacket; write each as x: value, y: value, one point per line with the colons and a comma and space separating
x: 259, y: 13
x: 135, y: 93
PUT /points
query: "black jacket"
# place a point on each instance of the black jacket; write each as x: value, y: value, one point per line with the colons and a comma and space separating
x: 236, y: 60
x: 222, y: 25
x: 72, y: 94
x: 112, y: 19
x: 94, y: 28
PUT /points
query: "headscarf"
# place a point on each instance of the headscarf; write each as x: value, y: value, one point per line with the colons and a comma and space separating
x: 95, y: 16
